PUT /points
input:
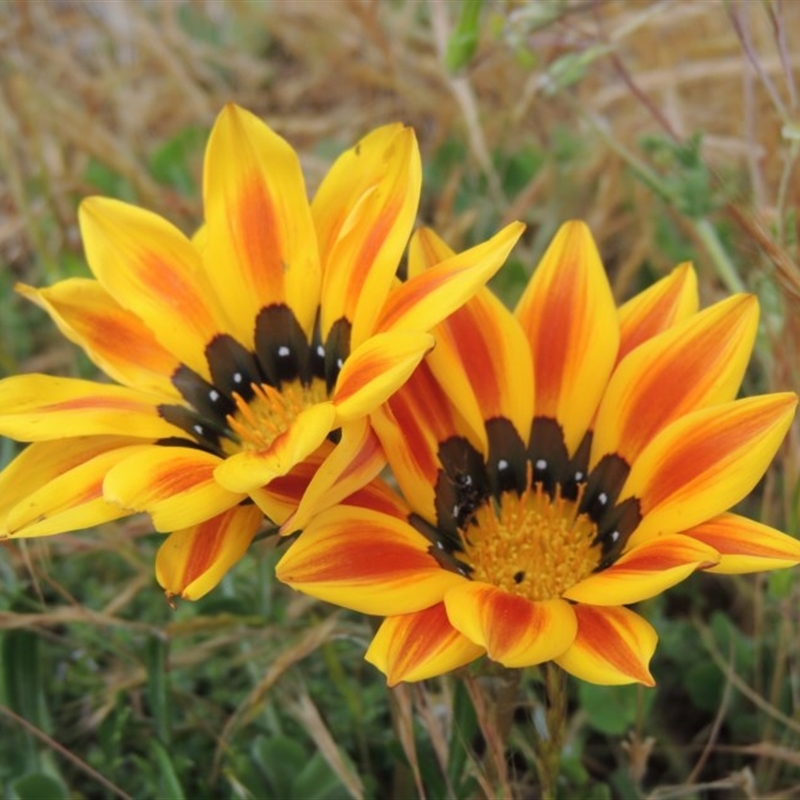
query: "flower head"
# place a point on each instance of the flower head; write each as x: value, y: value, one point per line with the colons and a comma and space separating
x: 239, y: 355
x: 559, y: 463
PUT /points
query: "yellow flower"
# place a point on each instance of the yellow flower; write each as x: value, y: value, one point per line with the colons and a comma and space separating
x: 559, y: 464
x: 239, y: 354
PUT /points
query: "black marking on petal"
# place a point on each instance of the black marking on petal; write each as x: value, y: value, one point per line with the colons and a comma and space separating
x: 443, y: 546
x: 208, y: 401
x: 337, y: 349
x: 577, y: 469
x: 604, y: 485
x: 462, y: 484
x: 282, y: 348
x: 548, y: 454
x: 233, y: 368
x: 317, y: 354
x: 205, y: 433
x: 507, y: 462
x: 614, y: 530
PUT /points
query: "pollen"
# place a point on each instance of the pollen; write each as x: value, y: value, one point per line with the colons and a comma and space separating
x: 531, y: 545
x: 270, y: 412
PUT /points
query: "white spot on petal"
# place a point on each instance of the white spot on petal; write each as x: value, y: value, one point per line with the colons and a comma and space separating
x: 283, y: 351
x: 579, y: 476
x: 213, y: 395
x: 502, y: 464
x: 199, y: 430
x: 540, y: 463
x: 237, y: 377
x: 602, y: 498
x: 320, y: 351
x: 339, y: 363
x: 615, y: 536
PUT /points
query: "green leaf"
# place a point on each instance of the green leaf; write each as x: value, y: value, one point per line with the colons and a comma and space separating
x: 463, y: 41
x: 317, y: 781
x: 612, y: 709
x: 279, y: 759
x: 169, y: 785
x: 36, y: 786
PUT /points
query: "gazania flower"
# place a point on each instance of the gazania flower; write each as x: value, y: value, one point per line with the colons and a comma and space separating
x: 558, y: 465
x: 241, y: 355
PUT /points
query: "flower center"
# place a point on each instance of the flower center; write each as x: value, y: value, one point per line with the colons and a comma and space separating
x: 530, y: 544
x: 257, y: 422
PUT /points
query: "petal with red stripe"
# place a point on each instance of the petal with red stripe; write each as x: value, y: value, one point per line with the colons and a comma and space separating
x: 366, y: 561
x: 414, y: 647
x: 192, y: 561
x: 515, y: 631
x: 613, y: 647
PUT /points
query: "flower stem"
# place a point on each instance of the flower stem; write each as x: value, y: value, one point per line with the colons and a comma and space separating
x: 551, y: 740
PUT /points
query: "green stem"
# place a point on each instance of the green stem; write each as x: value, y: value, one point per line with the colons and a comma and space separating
x: 551, y: 742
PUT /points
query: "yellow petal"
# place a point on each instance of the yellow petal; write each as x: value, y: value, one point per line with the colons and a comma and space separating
x: 174, y: 485
x: 150, y: 268
x: 38, y: 407
x: 657, y: 308
x: 375, y: 370
x: 366, y: 561
x: 570, y: 320
x: 613, y: 646
x: 426, y: 299
x: 261, y: 246
x: 354, y: 462
x: 705, y: 462
x: 191, y: 562
x: 745, y: 545
x: 414, y: 647
x: 645, y: 570
x: 697, y: 363
x: 69, y: 501
x: 514, y: 631
x: 363, y: 212
x: 115, y: 339
x: 252, y: 469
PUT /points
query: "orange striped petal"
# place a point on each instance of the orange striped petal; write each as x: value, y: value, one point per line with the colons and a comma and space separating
x: 514, y: 631
x: 426, y: 299
x: 192, y: 561
x: 261, y: 245
x: 42, y: 462
x: 174, y: 485
x: 363, y: 212
x: 70, y: 501
x: 115, y: 339
x: 354, y: 462
x: 745, y: 545
x: 657, y: 308
x: 414, y: 647
x: 705, y: 462
x: 411, y: 426
x: 570, y: 320
x: 375, y: 370
x: 366, y: 561
x: 150, y: 268
x: 697, y: 363
x: 39, y: 407
x: 644, y: 571
x: 480, y: 354
x: 613, y: 647
x: 251, y: 469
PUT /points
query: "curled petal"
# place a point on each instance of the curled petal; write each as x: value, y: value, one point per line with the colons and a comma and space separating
x: 514, y: 631
x: 694, y: 364
x: 644, y: 571
x: 613, y: 646
x: 39, y: 407
x: 251, y: 469
x: 705, y: 462
x: 367, y: 561
x: 363, y: 212
x: 657, y: 308
x: 354, y: 462
x: 261, y: 246
x: 192, y: 561
x: 114, y: 338
x: 570, y: 319
x: 175, y: 485
x: 376, y: 369
x: 149, y: 267
x: 414, y: 647
x: 745, y: 545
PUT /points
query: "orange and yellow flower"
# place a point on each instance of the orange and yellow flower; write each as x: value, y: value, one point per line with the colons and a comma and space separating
x: 239, y: 356
x: 558, y: 464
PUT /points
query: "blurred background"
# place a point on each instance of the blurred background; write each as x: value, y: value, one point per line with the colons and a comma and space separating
x: 672, y: 128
